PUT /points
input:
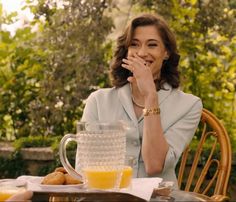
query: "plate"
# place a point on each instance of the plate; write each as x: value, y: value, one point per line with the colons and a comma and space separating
x: 34, y: 183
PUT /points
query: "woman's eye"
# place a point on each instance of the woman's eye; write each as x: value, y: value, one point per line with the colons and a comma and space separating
x: 152, y: 45
x: 133, y: 45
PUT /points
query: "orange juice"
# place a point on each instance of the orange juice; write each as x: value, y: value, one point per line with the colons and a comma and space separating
x: 126, y: 177
x: 4, y: 195
x: 101, y: 179
x: 107, y: 179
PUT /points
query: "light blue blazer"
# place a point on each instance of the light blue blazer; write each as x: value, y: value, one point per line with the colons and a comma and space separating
x: 180, y: 115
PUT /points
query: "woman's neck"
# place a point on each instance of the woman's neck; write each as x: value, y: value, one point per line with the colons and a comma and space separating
x: 137, y: 98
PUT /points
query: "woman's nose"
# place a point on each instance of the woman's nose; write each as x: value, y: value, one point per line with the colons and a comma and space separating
x: 142, y: 51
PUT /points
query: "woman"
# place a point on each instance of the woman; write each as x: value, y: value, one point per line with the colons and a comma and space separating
x: 146, y: 91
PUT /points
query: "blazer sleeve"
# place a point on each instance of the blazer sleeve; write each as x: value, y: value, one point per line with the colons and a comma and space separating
x: 180, y: 134
x: 90, y: 112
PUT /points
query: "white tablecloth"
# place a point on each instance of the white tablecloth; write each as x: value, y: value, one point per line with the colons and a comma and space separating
x: 141, y: 187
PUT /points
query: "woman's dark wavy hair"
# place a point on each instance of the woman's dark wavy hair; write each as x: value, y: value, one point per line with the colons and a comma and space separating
x: 169, y: 70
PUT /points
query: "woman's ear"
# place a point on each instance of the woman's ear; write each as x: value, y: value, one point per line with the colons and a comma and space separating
x: 166, y: 56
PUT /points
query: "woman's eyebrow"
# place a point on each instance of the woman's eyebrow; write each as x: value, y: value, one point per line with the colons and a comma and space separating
x: 149, y: 40
x: 153, y: 40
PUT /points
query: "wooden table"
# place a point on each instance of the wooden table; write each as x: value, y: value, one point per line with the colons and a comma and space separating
x: 178, y: 195
x: 114, y: 197
x: 85, y: 197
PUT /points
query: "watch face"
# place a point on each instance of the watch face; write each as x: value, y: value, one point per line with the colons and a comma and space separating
x: 144, y: 112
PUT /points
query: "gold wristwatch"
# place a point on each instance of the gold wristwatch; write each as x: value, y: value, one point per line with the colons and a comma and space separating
x: 153, y: 111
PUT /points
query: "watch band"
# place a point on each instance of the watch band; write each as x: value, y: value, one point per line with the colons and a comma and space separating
x: 153, y: 111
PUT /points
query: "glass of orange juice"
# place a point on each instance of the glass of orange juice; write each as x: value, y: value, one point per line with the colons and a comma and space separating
x: 102, y: 178
x: 9, y: 187
x: 108, y: 178
x: 126, y: 177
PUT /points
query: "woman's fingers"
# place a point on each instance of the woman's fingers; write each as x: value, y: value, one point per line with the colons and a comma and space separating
x: 133, y: 62
x: 131, y: 79
x: 127, y: 66
x: 136, y: 60
x: 141, y: 60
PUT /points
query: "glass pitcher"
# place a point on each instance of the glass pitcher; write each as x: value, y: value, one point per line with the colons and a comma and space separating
x: 100, y: 154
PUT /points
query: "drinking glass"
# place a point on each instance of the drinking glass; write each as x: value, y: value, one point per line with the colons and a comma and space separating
x: 126, y: 178
x: 9, y: 187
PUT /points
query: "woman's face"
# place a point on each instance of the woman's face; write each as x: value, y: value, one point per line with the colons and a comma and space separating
x: 148, y: 45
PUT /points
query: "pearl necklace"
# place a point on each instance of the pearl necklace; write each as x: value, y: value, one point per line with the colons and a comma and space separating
x: 134, y: 101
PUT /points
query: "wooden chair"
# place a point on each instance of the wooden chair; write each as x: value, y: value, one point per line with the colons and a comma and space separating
x: 209, y: 174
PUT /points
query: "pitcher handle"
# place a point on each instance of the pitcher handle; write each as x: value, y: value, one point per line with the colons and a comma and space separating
x: 63, y: 157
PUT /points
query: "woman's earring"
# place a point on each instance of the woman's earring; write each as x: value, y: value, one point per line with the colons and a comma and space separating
x: 166, y: 58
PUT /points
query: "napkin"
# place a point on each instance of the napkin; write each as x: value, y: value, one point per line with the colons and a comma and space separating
x: 143, y: 187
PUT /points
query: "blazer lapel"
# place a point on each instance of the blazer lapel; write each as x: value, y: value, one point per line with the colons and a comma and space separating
x: 163, y: 94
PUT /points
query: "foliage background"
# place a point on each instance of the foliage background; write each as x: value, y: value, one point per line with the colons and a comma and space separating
x: 51, y: 64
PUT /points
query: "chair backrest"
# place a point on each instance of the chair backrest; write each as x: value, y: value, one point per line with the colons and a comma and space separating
x: 208, y: 170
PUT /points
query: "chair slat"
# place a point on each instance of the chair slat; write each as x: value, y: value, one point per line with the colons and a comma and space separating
x: 206, y: 167
x: 182, y: 166
x: 213, y: 178
x: 195, y: 160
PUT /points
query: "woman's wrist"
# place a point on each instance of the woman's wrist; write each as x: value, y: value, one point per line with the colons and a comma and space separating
x: 151, y: 101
